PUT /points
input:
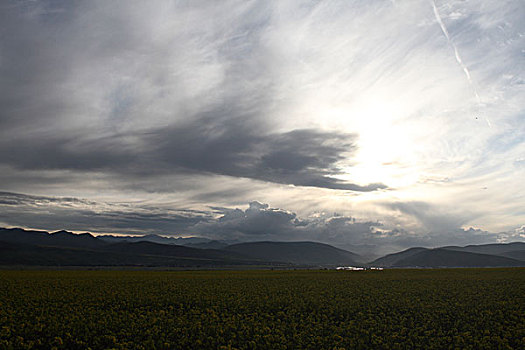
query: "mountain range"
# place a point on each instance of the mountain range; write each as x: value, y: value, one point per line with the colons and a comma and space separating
x: 487, y: 255
x: 195, y: 242
x: 62, y: 248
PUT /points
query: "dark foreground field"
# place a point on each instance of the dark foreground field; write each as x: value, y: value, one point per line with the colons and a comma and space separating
x: 440, y: 309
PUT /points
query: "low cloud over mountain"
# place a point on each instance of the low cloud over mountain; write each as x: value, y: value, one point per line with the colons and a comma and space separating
x: 258, y: 222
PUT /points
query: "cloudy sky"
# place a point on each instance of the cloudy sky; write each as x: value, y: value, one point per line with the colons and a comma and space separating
x: 372, y: 125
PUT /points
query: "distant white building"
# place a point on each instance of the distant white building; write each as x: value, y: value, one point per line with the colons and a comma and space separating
x: 354, y: 268
x: 350, y: 268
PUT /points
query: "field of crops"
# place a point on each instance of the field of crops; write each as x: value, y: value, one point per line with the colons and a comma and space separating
x: 399, y: 309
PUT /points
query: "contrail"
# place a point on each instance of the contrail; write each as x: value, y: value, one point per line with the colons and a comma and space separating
x: 458, y: 57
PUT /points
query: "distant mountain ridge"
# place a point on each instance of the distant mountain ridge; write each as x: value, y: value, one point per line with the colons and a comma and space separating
x: 63, y: 248
x: 307, y: 253
x: 494, y: 248
x: 58, y: 239
x: 154, y: 238
x: 195, y: 242
x: 451, y: 258
x: 487, y: 255
x: 121, y: 254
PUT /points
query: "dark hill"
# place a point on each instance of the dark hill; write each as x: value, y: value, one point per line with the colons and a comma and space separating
x: 451, y: 258
x: 492, y: 249
x: 62, y: 248
x: 33, y: 255
x: 150, y: 248
x: 515, y: 254
x: 208, y: 245
x: 56, y: 239
x: 391, y: 259
x: 304, y: 253
x: 483, y: 255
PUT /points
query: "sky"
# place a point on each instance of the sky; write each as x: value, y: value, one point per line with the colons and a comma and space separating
x: 371, y: 125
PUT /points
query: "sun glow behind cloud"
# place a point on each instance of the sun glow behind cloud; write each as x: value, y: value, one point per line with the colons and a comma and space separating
x: 400, y: 95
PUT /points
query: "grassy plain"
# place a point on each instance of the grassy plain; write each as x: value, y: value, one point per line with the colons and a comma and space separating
x: 398, y: 309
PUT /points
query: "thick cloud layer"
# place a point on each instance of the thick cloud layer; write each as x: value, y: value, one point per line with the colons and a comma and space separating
x: 362, y: 108
x: 299, y: 157
x: 224, y: 136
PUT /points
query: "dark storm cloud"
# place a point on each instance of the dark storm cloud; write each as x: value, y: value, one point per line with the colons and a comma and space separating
x: 261, y: 222
x: 35, y: 62
x: 66, y: 153
x: 258, y: 221
x: 80, y: 83
x: 299, y: 157
x: 229, y: 147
